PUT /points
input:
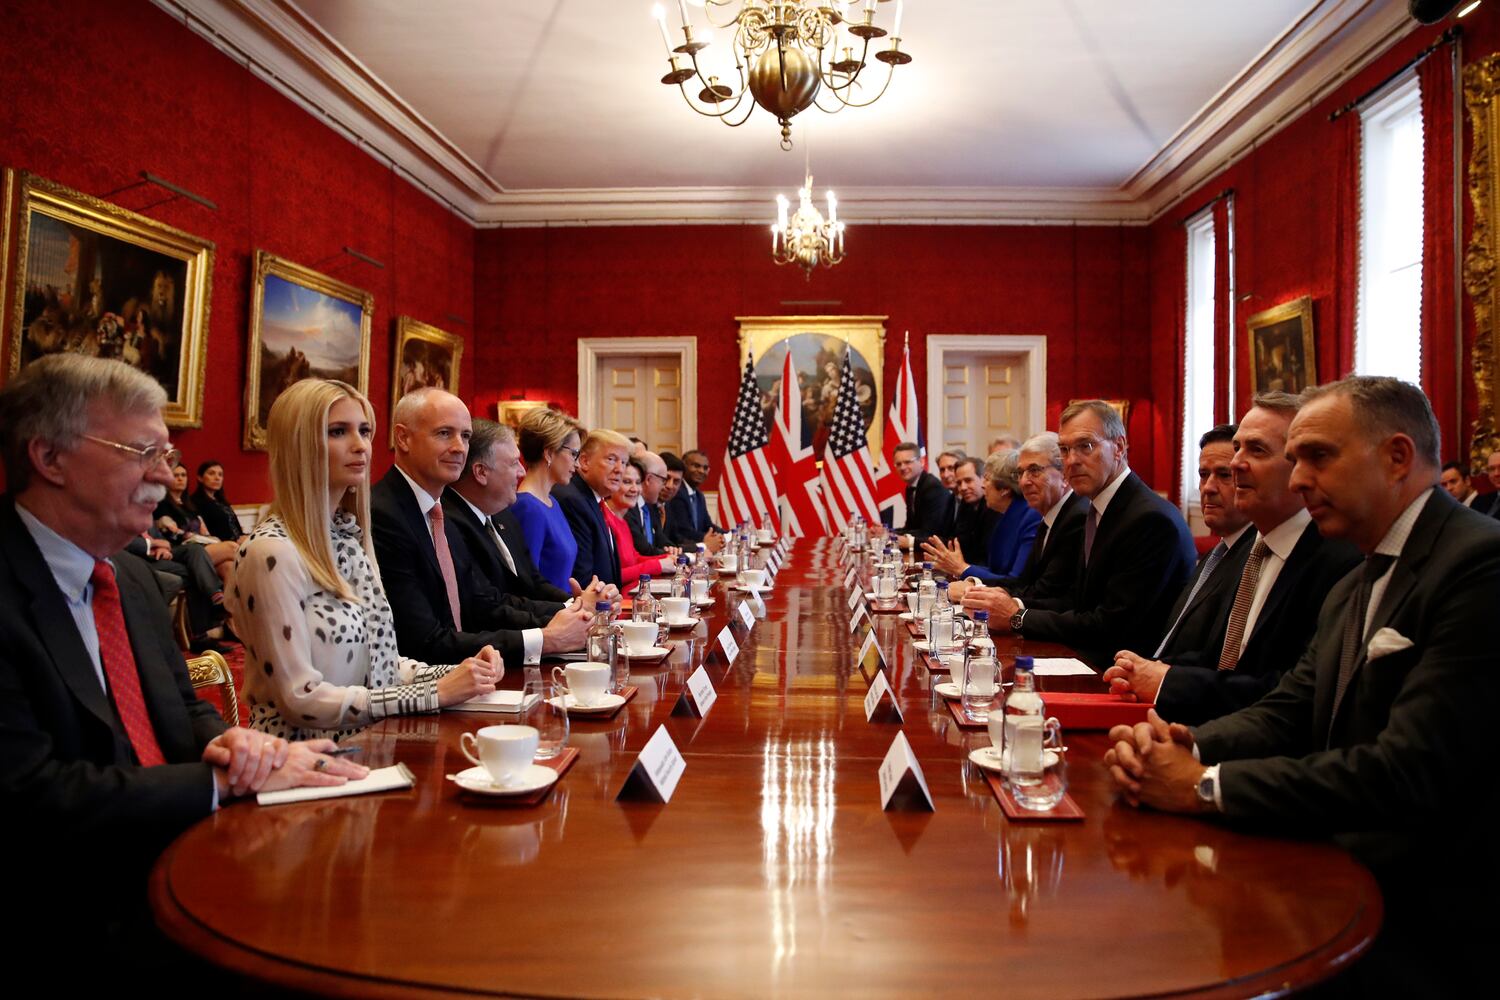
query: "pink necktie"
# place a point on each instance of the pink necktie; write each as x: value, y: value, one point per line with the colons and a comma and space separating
x: 445, y: 563
x: 119, y: 666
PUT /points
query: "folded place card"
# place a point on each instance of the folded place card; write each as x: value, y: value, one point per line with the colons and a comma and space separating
x: 746, y: 615
x: 849, y: 578
x: 871, y: 659
x: 901, y: 782
x: 728, y: 645
x: 860, y: 614
x: 381, y: 779
x: 854, y: 598
x: 697, y: 696
x: 656, y: 770
x: 880, y: 701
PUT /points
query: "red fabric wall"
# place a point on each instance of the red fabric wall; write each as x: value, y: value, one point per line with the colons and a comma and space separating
x: 1085, y: 288
x: 94, y: 93
x: 1286, y: 239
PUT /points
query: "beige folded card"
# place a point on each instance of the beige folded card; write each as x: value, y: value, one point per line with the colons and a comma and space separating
x: 381, y: 779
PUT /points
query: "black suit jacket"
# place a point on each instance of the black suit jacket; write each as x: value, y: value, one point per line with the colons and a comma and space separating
x: 1199, y: 637
x: 425, y: 629
x: 1050, y: 574
x: 69, y: 783
x: 1142, y: 556
x: 681, y: 513
x: 596, y: 555
x: 927, y: 508
x: 489, y: 564
x: 634, y: 517
x: 527, y: 580
x: 1395, y: 770
x: 1487, y: 504
x: 1195, y: 690
x: 973, y: 523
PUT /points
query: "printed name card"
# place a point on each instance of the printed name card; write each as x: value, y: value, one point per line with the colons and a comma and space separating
x: 871, y: 658
x: 860, y: 614
x: 849, y: 578
x: 880, y: 701
x: 746, y: 615
x: 854, y: 598
x: 698, y: 697
x: 901, y: 783
x: 656, y: 771
x: 728, y: 645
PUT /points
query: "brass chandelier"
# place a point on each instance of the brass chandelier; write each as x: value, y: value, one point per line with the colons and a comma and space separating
x: 807, y: 238
x: 787, y: 54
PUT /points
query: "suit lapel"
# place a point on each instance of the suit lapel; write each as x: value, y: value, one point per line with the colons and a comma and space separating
x: 406, y: 500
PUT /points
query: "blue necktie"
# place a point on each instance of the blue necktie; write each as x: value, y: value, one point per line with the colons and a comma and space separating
x: 646, y: 525
x: 1209, y: 566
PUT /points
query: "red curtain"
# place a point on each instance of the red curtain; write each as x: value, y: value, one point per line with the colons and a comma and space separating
x: 1440, y: 334
x: 1222, y: 305
x: 1346, y: 249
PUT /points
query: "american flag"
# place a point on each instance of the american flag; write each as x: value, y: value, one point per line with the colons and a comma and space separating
x: 747, y: 491
x: 848, y: 482
x: 901, y: 425
x: 796, y: 467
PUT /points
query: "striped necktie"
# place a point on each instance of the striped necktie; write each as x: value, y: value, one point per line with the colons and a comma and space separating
x: 1239, y: 614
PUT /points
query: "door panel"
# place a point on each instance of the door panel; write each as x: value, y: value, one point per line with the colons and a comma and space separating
x: 643, y: 398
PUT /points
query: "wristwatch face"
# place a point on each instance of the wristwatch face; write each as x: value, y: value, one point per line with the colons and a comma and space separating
x: 1206, y: 788
x: 1015, y: 620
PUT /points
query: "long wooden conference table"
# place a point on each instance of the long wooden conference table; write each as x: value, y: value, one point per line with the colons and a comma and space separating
x: 772, y: 870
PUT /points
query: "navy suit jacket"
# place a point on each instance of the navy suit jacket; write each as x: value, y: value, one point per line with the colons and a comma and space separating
x: 928, y: 508
x: 596, y: 554
x: 1142, y: 556
x: 489, y: 564
x: 1199, y: 637
x: 1051, y: 571
x: 689, y: 518
x: 637, y: 518
x: 527, y: 580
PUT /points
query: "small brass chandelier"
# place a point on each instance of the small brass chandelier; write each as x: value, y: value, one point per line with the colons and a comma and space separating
x: 795, y: 51
x: 807, y: 238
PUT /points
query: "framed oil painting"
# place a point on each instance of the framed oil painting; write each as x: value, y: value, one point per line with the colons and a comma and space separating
x: 510, y: 411
x: 302, y: 325
x: 817, y: 347
x: 93, y: 278
x: 1280, y: 348
x: 425, y: 356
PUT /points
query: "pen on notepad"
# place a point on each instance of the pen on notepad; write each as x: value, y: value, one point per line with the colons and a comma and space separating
x: 344, y: 751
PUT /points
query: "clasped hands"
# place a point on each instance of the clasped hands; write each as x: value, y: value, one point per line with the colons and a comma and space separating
x: 1152, y: 764
x: 1135, y: 678
x: 996, y: 600
x: 247, y: 761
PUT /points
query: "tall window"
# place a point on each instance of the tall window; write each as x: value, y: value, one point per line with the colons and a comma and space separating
x: 1388, y: 326
x: 1198, y: 359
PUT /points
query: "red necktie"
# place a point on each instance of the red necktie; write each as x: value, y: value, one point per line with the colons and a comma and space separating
x: 119, y: 666
x: 609, y: 534
x: 445, y: 563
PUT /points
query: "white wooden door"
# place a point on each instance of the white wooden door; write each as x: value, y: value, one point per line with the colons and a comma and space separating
x: 984, y: 395
x: 641, y: 396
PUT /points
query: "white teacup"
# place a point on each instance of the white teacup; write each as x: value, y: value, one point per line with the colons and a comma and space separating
x: 640, y: 637
x: 729, y: 563
x: 503, y: 751
x: 764, y: 536
x: 911, y: 601
x: 996, y: 725
x: 753, y: 578
x: 676, y: 609
x: 586, y: 682
x: 700, y: 590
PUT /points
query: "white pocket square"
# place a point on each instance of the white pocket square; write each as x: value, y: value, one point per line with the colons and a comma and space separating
x: 1385, y: 642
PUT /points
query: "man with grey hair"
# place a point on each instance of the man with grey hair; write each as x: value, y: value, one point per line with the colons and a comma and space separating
x: 1136, y: 549
x: 647, y: 518
x: 946, y: 460
x: 1379, y: 735
x: 106, y: 753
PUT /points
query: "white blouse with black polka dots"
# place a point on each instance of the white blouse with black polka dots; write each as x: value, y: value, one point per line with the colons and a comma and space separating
x: 317, y: 665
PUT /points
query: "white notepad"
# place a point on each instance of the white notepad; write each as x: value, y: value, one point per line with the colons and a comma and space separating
x: 504, y: 702
x: 381, y: 779
x: 1060, y: 666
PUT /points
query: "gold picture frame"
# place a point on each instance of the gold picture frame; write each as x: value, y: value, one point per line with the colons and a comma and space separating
x: 510, y: 411
x: 1280, y: 348
x: 424, y: 356
x: 303, y: 324
x: 814, y: 341
x: 1120, y: 406
x: 1481, y: 88
x: 93, y: 278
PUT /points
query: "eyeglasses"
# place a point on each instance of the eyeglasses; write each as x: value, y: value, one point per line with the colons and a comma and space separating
x: 1084, y: 448
x: 653, y: 475
x: 575, y: 452
x: 148, y: 457
x: 1034, y: 471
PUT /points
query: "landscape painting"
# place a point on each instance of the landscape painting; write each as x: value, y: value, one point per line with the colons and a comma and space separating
x: 302, y: 325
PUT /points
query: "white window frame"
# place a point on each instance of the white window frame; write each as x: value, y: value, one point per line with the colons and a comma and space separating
x: 1198, y: 349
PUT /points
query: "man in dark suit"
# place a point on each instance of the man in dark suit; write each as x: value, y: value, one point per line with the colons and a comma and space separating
x: 929, y: 507
x: 488, y: 486
x: 1489, y: 503
x: 647, y: 522
x: 1051, y: 569
x: 601, y: 466
x: 1136, y: 555
x: 441, y: 614
x: 688, y: 510
x: 1379, y: 735
x: 1271, y: 610
x: 972, y: 521
x: 106, y: 753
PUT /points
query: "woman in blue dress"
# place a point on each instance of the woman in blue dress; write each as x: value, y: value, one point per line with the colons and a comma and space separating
x: 1010, y: 542
x: 549, y: 443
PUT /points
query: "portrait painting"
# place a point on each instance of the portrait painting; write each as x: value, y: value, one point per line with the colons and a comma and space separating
x: 817, y: 345
x: 302, y: 325
x: 424, y: 356
x: 93, y: 278
x: 1280, y: 349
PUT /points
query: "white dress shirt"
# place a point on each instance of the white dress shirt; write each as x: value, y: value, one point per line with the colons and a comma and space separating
x: 531, y: 638
x: 1280, y: 541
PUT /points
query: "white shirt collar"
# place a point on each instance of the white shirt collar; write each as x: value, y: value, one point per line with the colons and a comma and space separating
x: 483, y: 517
x: 1400, y: 529
x: 1051, y: 516
x: 425, y: 501
x: 1229, y: 541
x: 71, y: 567
x: 1101, y: 502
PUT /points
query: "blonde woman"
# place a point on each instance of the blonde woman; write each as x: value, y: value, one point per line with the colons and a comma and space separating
x: 320, y: 645
x: 549, y: 443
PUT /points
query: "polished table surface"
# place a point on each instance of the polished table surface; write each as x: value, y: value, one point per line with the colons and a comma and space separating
x: 772, y: 871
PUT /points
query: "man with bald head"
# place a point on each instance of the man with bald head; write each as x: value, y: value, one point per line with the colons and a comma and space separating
x: 442, y: 615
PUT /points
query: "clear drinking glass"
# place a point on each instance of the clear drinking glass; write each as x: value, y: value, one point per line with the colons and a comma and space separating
x: 1036, y: 763
x: 546, y: 712
x: 981, y: 687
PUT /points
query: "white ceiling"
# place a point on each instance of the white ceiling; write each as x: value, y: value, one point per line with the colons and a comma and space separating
x: 551, y: 110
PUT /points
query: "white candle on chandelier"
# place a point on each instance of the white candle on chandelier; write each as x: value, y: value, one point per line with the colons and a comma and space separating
x: 773, y: 237
x: 833, y: 208
x: 900, y: 9
x: 781, y: 207
x: 682, y: 9
x: 661, y: 22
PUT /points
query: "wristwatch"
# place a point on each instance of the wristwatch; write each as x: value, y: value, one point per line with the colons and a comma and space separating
x: 1016, y: 620
x: 1208, y: 787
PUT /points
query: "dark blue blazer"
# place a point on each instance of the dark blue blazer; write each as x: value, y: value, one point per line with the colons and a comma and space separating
x: 596, y: 556
x: 688, y: 517
x: 1010, y: 543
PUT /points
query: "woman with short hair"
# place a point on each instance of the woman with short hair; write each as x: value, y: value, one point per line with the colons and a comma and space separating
x: 549, y: 442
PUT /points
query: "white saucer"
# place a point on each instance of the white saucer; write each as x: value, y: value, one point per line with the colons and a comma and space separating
x: 742, y: 589
x: 912, y: 616
x: 609, y: 704
x: 689, y: 623
x: 477, y: 780
x: 948, y: 690
x: 707, y: 602
x: 993, y: 760
x: 654, y: 653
